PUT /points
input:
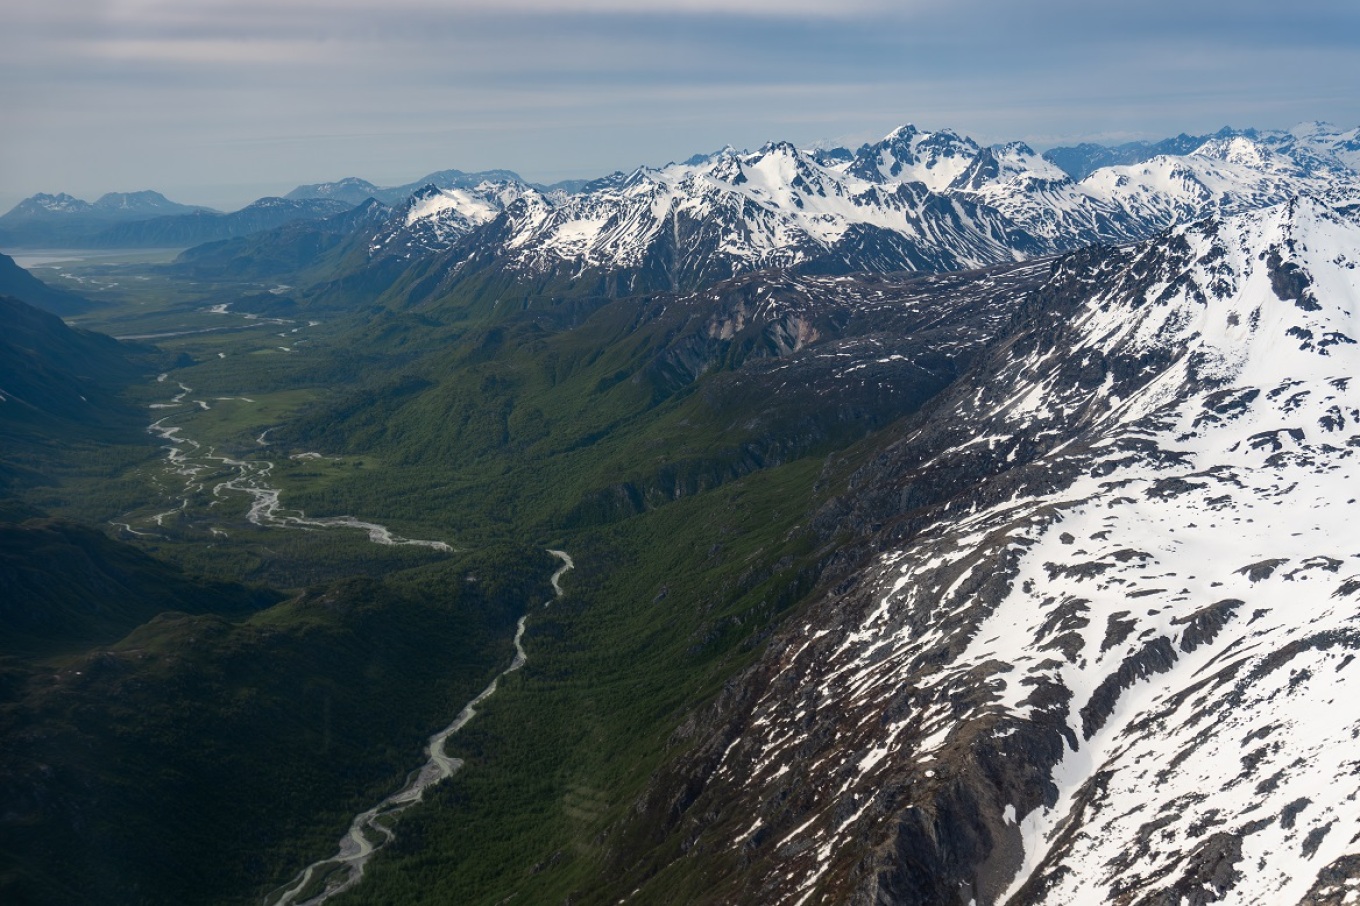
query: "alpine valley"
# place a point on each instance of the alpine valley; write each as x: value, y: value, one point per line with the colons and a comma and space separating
x: 922, y: 523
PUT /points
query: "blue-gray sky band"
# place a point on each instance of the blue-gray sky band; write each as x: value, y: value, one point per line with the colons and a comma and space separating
x: 220, y: 101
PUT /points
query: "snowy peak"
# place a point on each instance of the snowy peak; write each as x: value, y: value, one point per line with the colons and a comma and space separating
x: 908, y: 155
x: 1223, y: 175
x: 1248, y: 293
x: 461, y: 208
x: 779, y: 174
x: 914, y: 200
x: 684, y: 224
x: 434, y: 218
x: 1243, y: 152
x: 1247, y: 304
x: 1106, y: 651
x: 1015, y: 163
x: 698, y: 160
x: 1323, y: 145
x: 45, y: 205
x: 1316, y: 148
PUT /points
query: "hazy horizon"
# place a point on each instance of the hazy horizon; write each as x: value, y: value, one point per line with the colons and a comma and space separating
x: 218, y: 103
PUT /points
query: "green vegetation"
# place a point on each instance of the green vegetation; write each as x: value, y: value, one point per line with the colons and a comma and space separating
x: 208, y: 756
x: 661, y: 611
x: 68, y: 587
x: 202, y: 759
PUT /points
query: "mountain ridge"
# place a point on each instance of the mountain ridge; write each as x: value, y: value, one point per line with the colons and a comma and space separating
x: 1007, y: 611
x: 1029, y: 581
x: 911, y: 201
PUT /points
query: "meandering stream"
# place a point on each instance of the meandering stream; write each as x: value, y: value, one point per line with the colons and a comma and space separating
x: 371, y: 830
x: 202, y: 470
x: 188, y: 459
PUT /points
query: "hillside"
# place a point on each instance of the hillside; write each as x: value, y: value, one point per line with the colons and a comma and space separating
x: 944, y: 530
x: 18, y: 283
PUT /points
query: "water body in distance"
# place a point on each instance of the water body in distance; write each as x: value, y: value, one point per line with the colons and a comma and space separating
x: 31, y: 258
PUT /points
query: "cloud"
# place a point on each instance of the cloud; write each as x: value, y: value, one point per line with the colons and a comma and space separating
x: 267, y: 92
x: 136, y: 10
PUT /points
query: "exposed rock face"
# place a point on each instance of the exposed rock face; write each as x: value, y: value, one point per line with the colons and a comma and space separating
x: 792, y: 362
x: 1102, y: 646
x: 914, y: 201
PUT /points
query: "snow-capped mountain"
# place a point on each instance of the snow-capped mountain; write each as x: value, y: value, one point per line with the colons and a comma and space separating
x: 432, y: 218
x: 1311, y: 145
x: 934, y: 159
x: 1080, y: 161
x: 688, y: 224
x: 111, y: 206
x: 1105, y: 650
x: 1322, y: 142
x: 912, y: 201
x: 1224, y: 175
x: 1042, y: 200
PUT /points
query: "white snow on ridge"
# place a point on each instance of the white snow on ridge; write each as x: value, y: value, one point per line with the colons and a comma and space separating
x: 914, y: 200
x: 773, y: 207
x: 935, y: 159
x: 472, y: 207
x: 968, y: 205
x: 1223, y: 176
x: 1259, y: 514
x: 434, y: 218
x: 1193, y: 597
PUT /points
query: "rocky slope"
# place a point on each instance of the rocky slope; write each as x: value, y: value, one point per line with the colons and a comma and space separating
x: 917, y: 201
x: 914, y: 201
x: 1101, y: 647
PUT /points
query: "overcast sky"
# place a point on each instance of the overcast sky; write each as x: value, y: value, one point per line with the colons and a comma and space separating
x: 221, y: 101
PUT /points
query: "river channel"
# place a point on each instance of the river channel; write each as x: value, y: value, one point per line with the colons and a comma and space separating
x: 371, y: 830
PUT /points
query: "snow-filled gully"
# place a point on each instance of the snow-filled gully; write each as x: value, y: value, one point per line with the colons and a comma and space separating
x: 1181, y: 606
x: 371, y: 830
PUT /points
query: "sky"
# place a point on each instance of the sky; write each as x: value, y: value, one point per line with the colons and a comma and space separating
x: 218, y: 102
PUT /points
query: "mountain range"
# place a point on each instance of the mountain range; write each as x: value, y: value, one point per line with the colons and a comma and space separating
x: 62, y: 221
x: 952, y: 525
x: 145, y: 220
x: 918, y: 201
x: 356, y: 191
x: 914, y: 200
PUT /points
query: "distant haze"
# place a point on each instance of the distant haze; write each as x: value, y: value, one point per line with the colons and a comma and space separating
x: 215, y: 102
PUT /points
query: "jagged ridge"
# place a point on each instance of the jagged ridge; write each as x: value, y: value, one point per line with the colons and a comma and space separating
x: 1104, y: 650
